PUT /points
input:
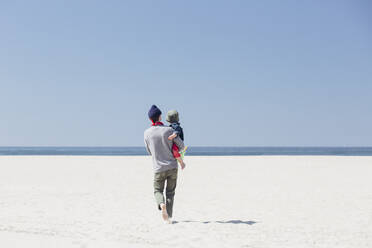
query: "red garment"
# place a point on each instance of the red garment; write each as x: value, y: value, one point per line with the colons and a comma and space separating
x: 158, y: 123
x: 175, y: 151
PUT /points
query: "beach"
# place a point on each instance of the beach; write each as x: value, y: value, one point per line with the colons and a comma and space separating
x: 238, y: 201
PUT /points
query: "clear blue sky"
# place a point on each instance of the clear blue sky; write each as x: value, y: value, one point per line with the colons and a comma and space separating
x: 252, y: 73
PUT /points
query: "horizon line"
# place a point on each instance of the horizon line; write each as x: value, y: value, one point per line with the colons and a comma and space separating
x: 206, y: 146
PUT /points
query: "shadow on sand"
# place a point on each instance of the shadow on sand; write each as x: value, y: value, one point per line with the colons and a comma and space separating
x: 249, y: 222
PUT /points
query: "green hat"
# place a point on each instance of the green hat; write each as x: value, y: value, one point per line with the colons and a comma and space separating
x: 172, y: 116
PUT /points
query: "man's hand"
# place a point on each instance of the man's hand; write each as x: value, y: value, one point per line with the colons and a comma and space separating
x: 172, y: 136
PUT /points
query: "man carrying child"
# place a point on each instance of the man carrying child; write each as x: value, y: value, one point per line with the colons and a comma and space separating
x: 164, y: 163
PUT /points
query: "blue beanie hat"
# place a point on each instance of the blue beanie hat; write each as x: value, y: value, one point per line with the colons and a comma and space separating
x: 154, y: 113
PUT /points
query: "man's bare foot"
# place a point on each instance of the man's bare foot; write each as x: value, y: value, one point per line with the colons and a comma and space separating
x: 164, y: 213
x: 170, y: 221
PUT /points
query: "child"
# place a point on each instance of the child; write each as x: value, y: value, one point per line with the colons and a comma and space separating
x: 173, y: 119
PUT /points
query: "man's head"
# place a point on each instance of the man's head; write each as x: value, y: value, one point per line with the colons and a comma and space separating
x: 154, y: 114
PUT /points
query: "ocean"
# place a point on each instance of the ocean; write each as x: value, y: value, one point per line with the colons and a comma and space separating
x: 192, y: 151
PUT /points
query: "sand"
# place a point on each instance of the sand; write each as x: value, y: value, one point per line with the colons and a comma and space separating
x: 263, y: 201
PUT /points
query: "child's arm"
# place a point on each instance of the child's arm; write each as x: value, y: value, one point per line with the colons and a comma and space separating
x: 174, y: 135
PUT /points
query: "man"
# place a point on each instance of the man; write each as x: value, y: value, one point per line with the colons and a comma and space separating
x: 165, y: 165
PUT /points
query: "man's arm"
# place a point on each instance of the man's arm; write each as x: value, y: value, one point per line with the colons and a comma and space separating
x: 147, y: 147
x: 179, y: 143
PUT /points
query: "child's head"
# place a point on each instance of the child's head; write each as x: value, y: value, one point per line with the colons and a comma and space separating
x: 172, y: 116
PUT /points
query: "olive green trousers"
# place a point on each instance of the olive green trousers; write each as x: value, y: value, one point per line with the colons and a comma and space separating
x: 169, y: 176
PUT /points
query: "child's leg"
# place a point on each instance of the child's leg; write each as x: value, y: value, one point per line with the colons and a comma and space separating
x: 179, y: 159
x: 182, y: 164
x: 175, y: 151
x: 177, y: 155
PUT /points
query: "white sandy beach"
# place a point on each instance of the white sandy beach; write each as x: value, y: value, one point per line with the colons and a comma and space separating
x: 278, y: 201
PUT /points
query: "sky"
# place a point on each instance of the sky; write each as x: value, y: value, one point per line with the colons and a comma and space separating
x: 240, y: 73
